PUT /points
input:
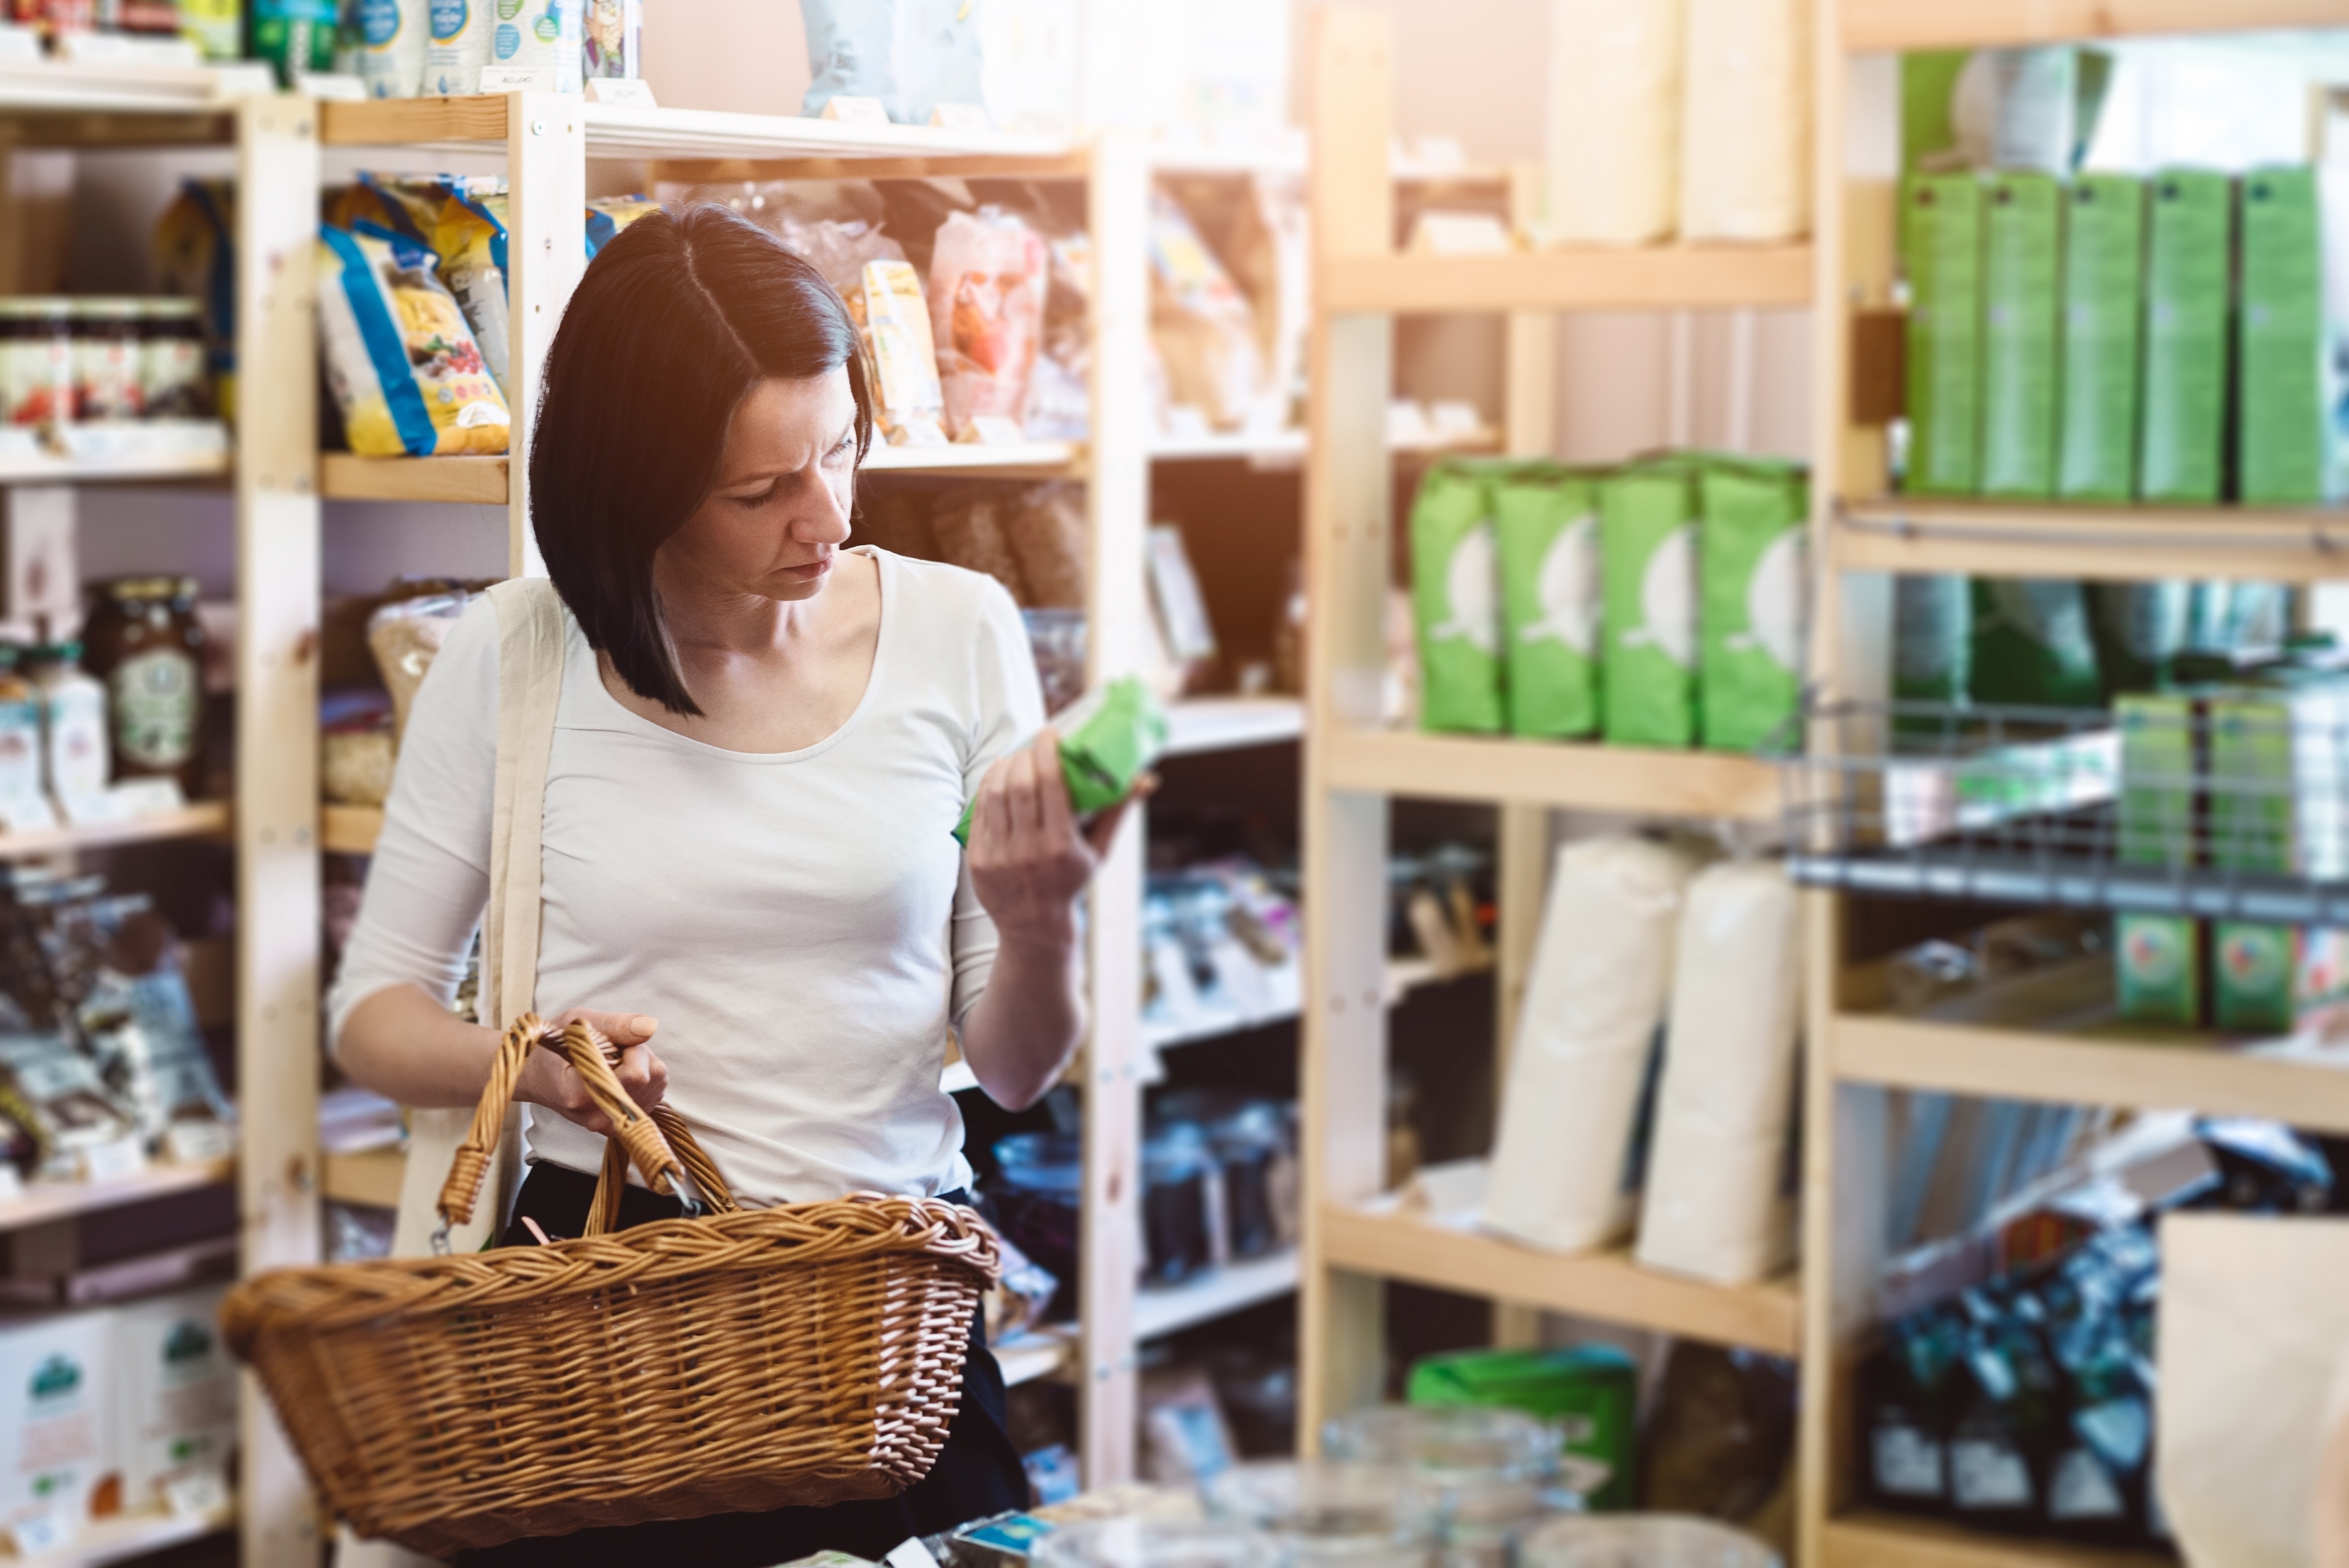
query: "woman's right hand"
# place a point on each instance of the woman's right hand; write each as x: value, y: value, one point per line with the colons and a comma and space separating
x: 548, y: 1081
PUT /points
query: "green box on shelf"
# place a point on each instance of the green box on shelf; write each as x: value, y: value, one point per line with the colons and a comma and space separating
x: 2022, y: 221
x: 2157, y: 969
x: 2180, y: 450
x: 1751, y: 566
x: 2280, y: 348
x: 1546, y: 519
x: 1941, y: 223
x: 1647, y: 560
x: 1589, y: 1392
x: 2104, y: 306
x: 1456, y: 600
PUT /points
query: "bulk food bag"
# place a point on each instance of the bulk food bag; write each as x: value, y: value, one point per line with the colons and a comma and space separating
x: 1755, y: 601
x: 1648, y: 555
x: 1719, y: 1202
x: 988, y: 276
x: 391, y: 39
x: 1545, y: 528
x: 1201, y: 322
x: 1455, y: 595
x: 1601, y: 970
x: 405, y: 369
x: 884, y: 295
x: 1745, y: 120
x: 1614, y: 120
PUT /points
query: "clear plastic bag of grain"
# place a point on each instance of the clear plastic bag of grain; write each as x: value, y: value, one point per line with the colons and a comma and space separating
x: 970, y: 531
x: 1046, y: 525
x: 405, y: 635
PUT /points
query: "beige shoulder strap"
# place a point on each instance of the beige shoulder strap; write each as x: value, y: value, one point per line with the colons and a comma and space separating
x: 530, y: 686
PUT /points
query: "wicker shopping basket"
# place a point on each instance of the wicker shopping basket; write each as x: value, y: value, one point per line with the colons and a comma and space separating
x: 743, y: 1360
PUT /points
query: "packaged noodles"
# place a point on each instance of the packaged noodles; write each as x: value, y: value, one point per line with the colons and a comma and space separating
x: 406, y: 370
x: 469, y: 238
x: 1108, y: 738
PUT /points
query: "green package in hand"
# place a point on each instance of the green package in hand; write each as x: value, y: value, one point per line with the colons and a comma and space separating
x: 1108, y: 737
x: 1456, y: 600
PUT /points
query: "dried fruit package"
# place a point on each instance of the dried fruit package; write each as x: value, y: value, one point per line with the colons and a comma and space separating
x: 988, y: 273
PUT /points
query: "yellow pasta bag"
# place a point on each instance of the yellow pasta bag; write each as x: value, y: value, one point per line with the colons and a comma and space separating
x: 404, y: 368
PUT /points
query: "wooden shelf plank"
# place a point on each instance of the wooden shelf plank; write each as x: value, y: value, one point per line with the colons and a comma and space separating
x: 99, y: 453
x: 1890, y: 1540
x: 1633, y: 278
x: 1270, y: 448
x: 2147, y: 544
x: 2304, y: 1088
x: 1159, y: 1311
x: 343, y: 476
x: 1027, y: 1357
x: 349, y: 830
x: 1871, y: 26
x: 411, y: 122
x: 1606, y: 1285
x: 1030, y: 459
x: 1225, y: 723
x: 370, y: 1177
x: 1574, y: 775
x: 129, y: 1535
x: 44, y: 1202
x: 205, y: 819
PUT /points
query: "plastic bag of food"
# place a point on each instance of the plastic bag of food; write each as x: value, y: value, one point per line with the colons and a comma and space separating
x: 1753, y: 601
x: 196, y: 259
x: 1745, y: 142
x: 1205, y: 331
x: 1455, y: 596
x: 469, y: 238
x: 988, y: 281
x: 406, y: 371
x: 883, y: 294
x: 1059, y: 393
x: 1108, y: 737
x: 614, y: 30
x: 405, y: 635
x: 1614, y: 122
x: 1647, y: 547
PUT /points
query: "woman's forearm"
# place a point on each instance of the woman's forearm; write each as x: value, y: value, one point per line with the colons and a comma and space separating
x: 1020, y: 1032
x: 408, y: 1048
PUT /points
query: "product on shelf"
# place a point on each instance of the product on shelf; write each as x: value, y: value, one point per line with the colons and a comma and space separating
x: 215, y: 26
x: 1056, y: 639
x: 1456, y: 602
x: 1587, y: 1393
x: 988, y: 279
x: 406, y: 371
x: 1060, y: 391
x: 1179, y: 1215
x: 1745, y: 121
x: 1600, y: 975
x: 1648, y: 522
x: 76, y: 755
x: 2103, y: 316
x: 468, y: 235
x: 58, y: 1425
x: 1108, y: 738
x: 143, y: 640
x: 1257, y: 228
x: 1036, y: 1200
x: 1751, y: 569
x: 2022, y: 228
x: 391, y: 37
x: 541, y: 37
x: 1045, y: 525
x: 1179, y: 609
x: 1941, y: 247
x: 404, y: 634
x: 1253, y: 1197
x: 177, y: 1420
x: 36, y: 361
x: 1326, y: 1511
x: 21, y: 772
x: 970, y: 531
x: 106, y: 360
x: 2032, y: 645
x: 1545, y: 531
x: 195, y: 257
x: 2281, y: 352
x: 1203, y: 328
x: 1021, y: 1296
x: 613, y: 39
x: 1719, y: 1438
x: 907, y: 56
x: 1185, y: 1440
x: 456, y: 47
x: 1219, y: 948
x: 1613, y: 147
x: 2182, y: 444
x: 1493, y: 1467
x: 296, y: 38
x: 1932, y: 638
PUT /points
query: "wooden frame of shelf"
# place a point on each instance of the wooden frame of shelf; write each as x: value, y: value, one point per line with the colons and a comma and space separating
x: 204, y: 820
x: 46, y: 1203
x: 1895, y: 1541
x: 1659, y: 277
x: 344, y: 476
x: 1918, y: 534
x: 1880, y: 26
x: 1572, y: 775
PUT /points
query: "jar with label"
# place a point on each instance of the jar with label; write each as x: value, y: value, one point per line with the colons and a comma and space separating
x: 106, y: 360
x: 20, y: 733
x: 36, y: 361
x: 74, y: 759
x: 147, y: 645
x: 171, y: 359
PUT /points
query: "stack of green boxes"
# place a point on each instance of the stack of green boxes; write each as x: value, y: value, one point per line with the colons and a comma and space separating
x: 1658, y: 604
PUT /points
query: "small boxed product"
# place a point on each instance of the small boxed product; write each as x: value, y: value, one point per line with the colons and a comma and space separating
x: 2280, y: 342
x: 58, y: 1433
x: 1940, y: 216
x: 176, y: 1385
x: 2181, y: 446
x: 2022, y: 230
x: 2103, y: 299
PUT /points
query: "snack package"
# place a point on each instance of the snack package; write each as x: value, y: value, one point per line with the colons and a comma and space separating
x: 883, y: 294
x: 139, y: 1022
x: 195, y: 257
x: 406, y: 371
x: 215, y: 26
x: 2280, y: 342
x: 542, y: 36
x: 1546, y: 529
x: 607, y: 215
x: 404, y: 634
x: 1753, y: 614
x: 469, y: 238
x: 456, y: 45
x: 1108, y: 738
x: 1941, y: 218
x: 2181, y: 444
x: 988, y: 281
x: 295, y: 36
x: 1455, y: 598
x: 177, y: 1415
x: 392, y: 36
x: 1202, y: 327
x: 1648, y: 555
x: 615, y: 31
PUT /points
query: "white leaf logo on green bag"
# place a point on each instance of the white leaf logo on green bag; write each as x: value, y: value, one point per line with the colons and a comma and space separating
x: 1569, y: 588
x: 1667, y: 599
x: 1472, y: 599
x: 1775, y: 596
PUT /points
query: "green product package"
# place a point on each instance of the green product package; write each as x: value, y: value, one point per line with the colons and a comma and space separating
x: 2032, y: 645
x: 2279, y: 349
x: 1547, y: 528
x: 1932, y: 638
x: 295, y: 36
x: 1454, y: 597
x: 1753, y: 598
x: 2180, y: 446
x: 2104, y: 301
x: 1647, y: 555
x: 1108, y: 738
x: 1589, y: 1392
x: 1940, y: 223
x: 2157, y: 969
x: 2157, y: 958
x: 2023, y: 218
x: 215, y: 26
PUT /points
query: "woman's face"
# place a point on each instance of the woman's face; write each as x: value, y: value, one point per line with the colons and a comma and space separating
x: 780, y: 509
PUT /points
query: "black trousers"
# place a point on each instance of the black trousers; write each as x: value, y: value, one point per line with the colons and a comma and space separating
x: 977, y: 1472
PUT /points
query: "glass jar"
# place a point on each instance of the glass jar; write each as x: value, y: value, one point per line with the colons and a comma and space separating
x: 74, y: 752
x: 1158, y: 1543
x: 172, y: 360
x: 1177, y: 1240
x: 106, y: 360
x: 1255, y: 1150
x: 36, y: 384
x: 1643, y: 1541
x: 1491, y: 1468
x: 1331, y: 1514
x: 145, y: 642
x: 1038, y: 1197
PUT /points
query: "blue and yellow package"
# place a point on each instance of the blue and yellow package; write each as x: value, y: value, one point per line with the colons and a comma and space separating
x: 405, y: 369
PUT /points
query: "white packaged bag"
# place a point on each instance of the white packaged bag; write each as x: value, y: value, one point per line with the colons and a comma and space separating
x: 57, y: 1434
x: 1745, y: 122
x: 456, y: 45
x: 1600, y: 973
x: 392, y: 37
x: 1716, y: 1204
x: 1613, y: 147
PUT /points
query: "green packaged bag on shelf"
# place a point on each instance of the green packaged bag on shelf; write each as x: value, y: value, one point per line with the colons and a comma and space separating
x: 1751, y: 566
x: 1456, y: 600
x: 1941, y: 227
x: 2103, y: 299
x: 2032, y: 645
x: 297, y: 37
x: 2141, y: 629
x: 1589, y: 1392
x: 1546, y: 524
x: 1647, y: 555
x: 1108, y: 737
x: 2022, y: 225
x: 1932, y: 639
x: 2279, y: 349
x: 2179, y: 449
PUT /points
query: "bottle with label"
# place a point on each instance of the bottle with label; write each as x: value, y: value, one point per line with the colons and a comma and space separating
x: 20, y: 734
x: 74, y: 760
x: 147, y: 645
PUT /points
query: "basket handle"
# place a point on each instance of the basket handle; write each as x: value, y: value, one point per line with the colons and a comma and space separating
x: 637, y: 1137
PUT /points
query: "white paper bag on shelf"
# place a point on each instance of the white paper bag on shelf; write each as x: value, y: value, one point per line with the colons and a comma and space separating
x: 1717, y: 1203
x: 2254, y: 1333
x: 1614, y: 122
x: 1601, y: 971
x: 1745, y: 121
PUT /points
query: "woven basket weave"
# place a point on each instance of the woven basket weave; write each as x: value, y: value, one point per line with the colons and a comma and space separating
x: 753, y: 1359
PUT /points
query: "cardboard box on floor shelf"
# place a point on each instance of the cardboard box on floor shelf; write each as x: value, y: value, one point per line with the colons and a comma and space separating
x: 58, y: 1426
x: 176, y: 1410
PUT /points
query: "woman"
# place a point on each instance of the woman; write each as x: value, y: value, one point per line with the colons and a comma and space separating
x: 750, y: 885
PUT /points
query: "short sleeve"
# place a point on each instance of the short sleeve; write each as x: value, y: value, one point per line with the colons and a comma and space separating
x: 1007, y: 708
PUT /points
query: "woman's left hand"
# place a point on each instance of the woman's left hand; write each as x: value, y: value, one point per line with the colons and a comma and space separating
x: 1028, y: 859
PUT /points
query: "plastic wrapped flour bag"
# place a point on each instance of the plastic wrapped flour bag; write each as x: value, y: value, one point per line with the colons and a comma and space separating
x: 1614, y: 120
x: 1745, y: 122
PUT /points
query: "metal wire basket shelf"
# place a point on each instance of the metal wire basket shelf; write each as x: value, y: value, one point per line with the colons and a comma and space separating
x: 2226, y: 805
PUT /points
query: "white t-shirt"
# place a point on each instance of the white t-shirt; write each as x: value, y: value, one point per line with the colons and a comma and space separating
x: 798, y: 922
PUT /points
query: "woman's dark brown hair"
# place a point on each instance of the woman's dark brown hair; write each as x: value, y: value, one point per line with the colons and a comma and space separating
x: 675, y: 320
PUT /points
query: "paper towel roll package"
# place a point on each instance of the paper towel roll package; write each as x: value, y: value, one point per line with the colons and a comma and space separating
x: 1745, y: 120
x: 1716, y: 1204
x: 1601, y: 971
x: 1614, y: 122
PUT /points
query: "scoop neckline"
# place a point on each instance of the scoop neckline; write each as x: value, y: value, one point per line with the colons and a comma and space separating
x: 629, y: 716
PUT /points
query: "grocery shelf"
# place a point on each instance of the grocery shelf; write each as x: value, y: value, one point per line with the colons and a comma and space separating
x: 2115, y: 543
x: 1403, y: 976
x: 46, y: 1203
x: 1572, y: 775
x: 343, y: 476
x: 1025, y: 1357
x: 128, y: 1535
x: 94, y: 454
x: 1390, y: 1242
x: 1024, y: 459
x: 1659, y: 277
x: 349, y: 830
x: 1871, y: 26
x: 1227, y: 723
x: 1892, y: 1541
x: 1162, y: 1310
x: 368, y: 1176
x: 206, y: 818
x: 1269, y: 448
x: 2294, y: 1082
x: 65, y: 103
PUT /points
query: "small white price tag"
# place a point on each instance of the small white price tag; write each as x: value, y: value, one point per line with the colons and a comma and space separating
x: 41, y: 1533
x: 136, y: 798
x: 633, y: 91
x: 193, y: 1142
x: 518, y: 78
x: 337, y: 86
x: 199, y: 1494
x: 113, y: 1160
x: 996, y: 430
x: 856, y: 111
x: 963, y: 118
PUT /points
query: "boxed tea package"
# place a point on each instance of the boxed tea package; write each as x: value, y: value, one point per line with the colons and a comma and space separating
x: 2022, y: 228
x: 176, y: 1411
x: 2156, y: 958
x: 1546, y: 524
x: 1753, y: 601
x: 1932, y: 638
x: 1648, y: 559
x: 1455, y: 598
x: 2280, y: 342
x: 1940, y: 221
x: 2102, y: 305
x: 58, y: 1435
x: 2179, y: 449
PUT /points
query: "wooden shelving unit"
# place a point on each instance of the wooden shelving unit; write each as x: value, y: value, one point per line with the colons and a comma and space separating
x: 47, y: 1203
x: 1668, y: 277
x: 1891, y: 1540
x: 2133, y: 544
x: 1879, y: 27
x: 480, y: 480
x: 204, y: 819
x: 1586, y: 776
